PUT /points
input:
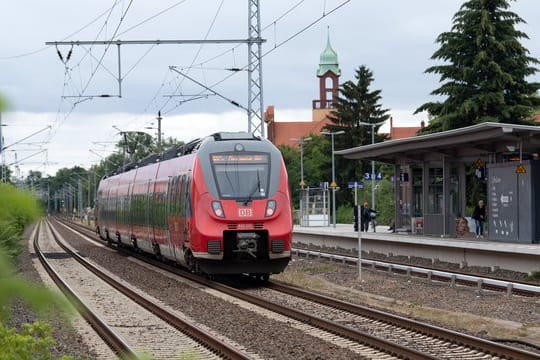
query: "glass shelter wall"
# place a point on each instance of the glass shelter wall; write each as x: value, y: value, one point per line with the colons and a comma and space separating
x: 431, y: 197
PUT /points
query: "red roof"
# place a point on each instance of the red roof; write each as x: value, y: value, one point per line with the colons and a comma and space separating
x: 282, y: 132
x: 403, y: 132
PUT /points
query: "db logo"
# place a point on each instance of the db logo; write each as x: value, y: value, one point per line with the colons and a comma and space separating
x: 245, y: 212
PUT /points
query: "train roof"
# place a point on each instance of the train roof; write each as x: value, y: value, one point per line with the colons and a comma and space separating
x: 184, y: 149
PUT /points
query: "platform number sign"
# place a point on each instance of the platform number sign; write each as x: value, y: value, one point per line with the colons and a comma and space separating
x: 377, y: 176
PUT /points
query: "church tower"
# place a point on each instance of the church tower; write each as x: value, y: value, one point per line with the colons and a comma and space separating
x: 328, y: 74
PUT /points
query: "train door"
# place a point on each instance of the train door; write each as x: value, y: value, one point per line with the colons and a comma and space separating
x: 129, y: 211
x: 172, y: 216
x: 147, y: 218
x: 186, y: 209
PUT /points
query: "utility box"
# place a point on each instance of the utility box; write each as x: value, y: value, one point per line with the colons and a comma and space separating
x: 514, y: 201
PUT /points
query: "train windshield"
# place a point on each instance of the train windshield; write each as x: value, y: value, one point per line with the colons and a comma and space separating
x: 241, y: 176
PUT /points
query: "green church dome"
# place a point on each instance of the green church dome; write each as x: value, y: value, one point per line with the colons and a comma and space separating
x: 329, y: 60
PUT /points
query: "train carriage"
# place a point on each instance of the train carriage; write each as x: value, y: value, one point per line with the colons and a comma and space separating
x: 218, y: 205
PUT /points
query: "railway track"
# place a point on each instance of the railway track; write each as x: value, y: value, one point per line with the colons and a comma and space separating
x: 143, y: 323
x: 441, y: 343
x: 388, y: 333
x: 452, y: 277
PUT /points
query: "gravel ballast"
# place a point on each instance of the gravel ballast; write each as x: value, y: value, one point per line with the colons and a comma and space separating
x: 487, y: 314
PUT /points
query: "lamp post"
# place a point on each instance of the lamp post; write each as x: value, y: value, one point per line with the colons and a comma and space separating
x: 333, y: 185
x: 372, y: 176
x: 158, y: 129
x: 302, y: 141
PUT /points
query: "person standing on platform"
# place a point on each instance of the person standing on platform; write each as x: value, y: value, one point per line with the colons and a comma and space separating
x: 366, y: 216
x: 479, y: 217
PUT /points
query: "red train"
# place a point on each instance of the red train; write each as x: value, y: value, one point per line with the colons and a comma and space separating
x: 217, y: 205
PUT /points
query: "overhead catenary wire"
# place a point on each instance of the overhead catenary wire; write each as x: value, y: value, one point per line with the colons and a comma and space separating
x: 33, y: 52
x: 305, y: 28
x: 234, y: 69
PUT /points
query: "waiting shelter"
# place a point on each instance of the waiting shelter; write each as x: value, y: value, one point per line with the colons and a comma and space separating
x: 430, y: 179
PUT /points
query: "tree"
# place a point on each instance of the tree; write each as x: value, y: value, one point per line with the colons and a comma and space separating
x: 356, y: 104
x: 317, y: 164
x: 484, y: 71
x: 4, y: 169
x: 137, y: 145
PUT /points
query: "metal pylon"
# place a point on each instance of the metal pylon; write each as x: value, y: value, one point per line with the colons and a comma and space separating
x: 255, y: 93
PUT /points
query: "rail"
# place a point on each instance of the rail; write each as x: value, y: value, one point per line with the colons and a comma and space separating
x: 452, y: 277
x: 113, y: 340
x: 203, y: 337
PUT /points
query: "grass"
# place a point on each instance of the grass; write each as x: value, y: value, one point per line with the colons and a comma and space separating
x: 534, y: 276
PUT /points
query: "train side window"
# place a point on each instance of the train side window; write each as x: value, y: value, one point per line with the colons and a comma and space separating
x: 187, y: 197
x: 172, y: 197
x: 180, y: 195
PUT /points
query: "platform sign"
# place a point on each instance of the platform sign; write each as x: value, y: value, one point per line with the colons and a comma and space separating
x: 377, y: 176
x: 355, y: 184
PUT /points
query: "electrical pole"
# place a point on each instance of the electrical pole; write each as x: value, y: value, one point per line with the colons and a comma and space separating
x: 255, y: 88
x: 79, y: 197
x: 159, y: 131
x: 1, y: 152
x: 333, y: 185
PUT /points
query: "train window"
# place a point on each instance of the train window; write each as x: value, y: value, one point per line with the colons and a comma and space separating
x: 244, y: 176
x: 187, y: 197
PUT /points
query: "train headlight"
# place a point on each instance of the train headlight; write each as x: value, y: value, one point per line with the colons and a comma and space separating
x: 218, y: 210
x: 270, y: 208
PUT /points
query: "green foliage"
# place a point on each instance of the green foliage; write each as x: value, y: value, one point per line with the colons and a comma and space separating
x: 357, y: 105
x: 533, y: 276
x: 317, y: 164
x: 484, y: 70
x: 33, y: 342
x: 18, y: 210
x: 14, y: 287
x: 3, y: 104
x: 10, y: 239
x: 345, y: 214
x: 319, y: 268
x: 384, y: 201
x: 7, y: 171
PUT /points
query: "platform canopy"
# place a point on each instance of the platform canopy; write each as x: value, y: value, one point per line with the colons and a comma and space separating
x: 464, y: 144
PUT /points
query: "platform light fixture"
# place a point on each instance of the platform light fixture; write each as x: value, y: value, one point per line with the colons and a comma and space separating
x: 333, y: 185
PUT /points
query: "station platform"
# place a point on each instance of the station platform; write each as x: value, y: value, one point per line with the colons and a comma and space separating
x: 465, y: 251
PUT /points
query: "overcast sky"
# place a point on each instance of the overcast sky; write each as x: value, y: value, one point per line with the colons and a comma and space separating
x: 395, y: 39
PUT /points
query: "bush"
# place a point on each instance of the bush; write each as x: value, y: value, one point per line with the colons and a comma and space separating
x: 10, y: 240
x: 33, y: 342
x: 18, y: 206
x: 18, y: 210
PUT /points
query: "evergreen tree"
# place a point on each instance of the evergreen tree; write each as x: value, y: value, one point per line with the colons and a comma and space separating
x: 356, y: 104
x: 484, y: 71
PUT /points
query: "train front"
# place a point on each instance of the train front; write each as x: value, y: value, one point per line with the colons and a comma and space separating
x: 242, y: 221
